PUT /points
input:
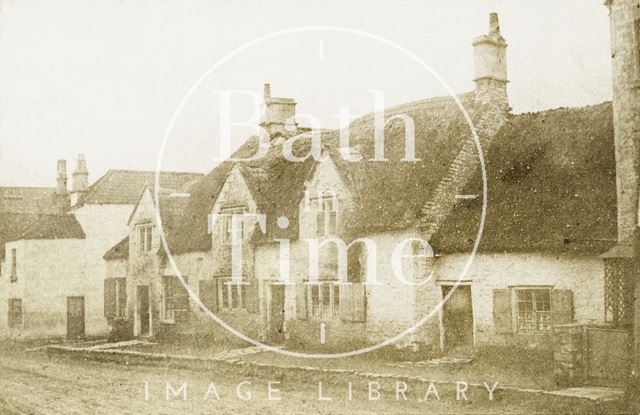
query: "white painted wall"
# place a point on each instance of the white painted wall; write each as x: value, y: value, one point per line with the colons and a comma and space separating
x: 582, y: 274
x: 48, y: 272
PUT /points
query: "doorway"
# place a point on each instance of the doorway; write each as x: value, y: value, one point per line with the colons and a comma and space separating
x: 276, y: 313
x: 457, y: 317
x: 75, y: 317
x: 143, y: 311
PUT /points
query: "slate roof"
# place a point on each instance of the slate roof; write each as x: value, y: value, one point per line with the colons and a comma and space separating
x: 31, y: 200
x: 551, y: 187
x: 63, y: 226
x: 124, y: 186
x: 118, y: 251
x: 551, y: 181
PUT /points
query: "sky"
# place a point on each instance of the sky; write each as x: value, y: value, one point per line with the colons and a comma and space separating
x: 105, y: 78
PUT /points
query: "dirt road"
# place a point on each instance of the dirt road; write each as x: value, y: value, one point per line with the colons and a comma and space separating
x: 36, y: 383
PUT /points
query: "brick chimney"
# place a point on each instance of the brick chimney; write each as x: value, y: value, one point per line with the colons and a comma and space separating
x: 490, y: 62
x: 624, y: 18
x: 80, y: 179
x: 277, y: 112
x: 61, y: 179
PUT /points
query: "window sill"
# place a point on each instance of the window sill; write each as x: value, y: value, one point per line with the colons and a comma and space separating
x: 167, y: 321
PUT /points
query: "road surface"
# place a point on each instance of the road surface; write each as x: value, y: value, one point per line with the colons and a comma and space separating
x: 37, y: 383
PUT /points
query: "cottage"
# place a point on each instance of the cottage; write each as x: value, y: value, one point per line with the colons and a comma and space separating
x: 54, y: 266
x: 551, y: 213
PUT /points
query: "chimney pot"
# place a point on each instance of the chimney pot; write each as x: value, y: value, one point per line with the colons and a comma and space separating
x: 80, y: 175
x: 267, y: 91
x: 494, y: 24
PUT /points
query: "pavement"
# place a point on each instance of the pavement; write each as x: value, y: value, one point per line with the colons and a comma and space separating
x: 232, y: 361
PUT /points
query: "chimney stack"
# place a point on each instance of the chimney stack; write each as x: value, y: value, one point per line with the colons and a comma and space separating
x: 490, y: 61
x: 80, y: 179
x: 277, y: 112
x: 61, y: 179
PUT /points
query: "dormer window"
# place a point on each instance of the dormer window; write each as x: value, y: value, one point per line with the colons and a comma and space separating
x: 145, y: 237
x: 226, y: 221
x: 326, y: 214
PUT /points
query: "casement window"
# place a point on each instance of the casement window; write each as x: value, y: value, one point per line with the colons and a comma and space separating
x: 14, y: 265
x: 328, y: 300
x: 145, y: 237
x: 115, y: 298
x: 232, y: 296
x: 531, y: 309
x: 175, y: 300
x: 15, y: 312
x: 326, y: 215
x: 323, y: 300
x: 226, y: 219
x: 534, y: 309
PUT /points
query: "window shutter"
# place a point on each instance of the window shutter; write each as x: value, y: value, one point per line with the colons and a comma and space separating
x: 109, y: 298
x: 353, y: 303
x: 502, y: 316
x: 301, y: 301
x: 561, y: 307
x: 253, y: 296
x: 122, y: 296
x: 209, y: 294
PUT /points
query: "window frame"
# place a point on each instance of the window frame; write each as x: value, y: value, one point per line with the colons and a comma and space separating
x: 542, y: 316
x: 225, y: 222
x: 226, y: 295
x: 327, y: 207
x: 144, y: 236
x: 317, y: 311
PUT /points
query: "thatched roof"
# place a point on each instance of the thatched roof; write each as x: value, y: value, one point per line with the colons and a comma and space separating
x: 551, y: 187
x: 389, y: 194
x: 551, y: 179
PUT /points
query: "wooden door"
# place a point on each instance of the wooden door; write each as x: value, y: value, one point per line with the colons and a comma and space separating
x: 276, y: 317
x: 75, y: 317
x: 457, y: 317
x: 144, y: 312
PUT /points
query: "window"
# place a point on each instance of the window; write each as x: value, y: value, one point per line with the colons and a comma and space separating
x: 326, y: 215
x: 15, y: 312
x: 226, y: 219
x: 232, y: 296
x: 145, y: 238
x: 324, y: 300
x: 534, y: 309
x: 175, y: 300
x: 14, y: 265
x: 115, y: 298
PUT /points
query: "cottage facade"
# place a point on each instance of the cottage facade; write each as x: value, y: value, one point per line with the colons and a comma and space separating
x: 54, y: 266
x: 551, y: 214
